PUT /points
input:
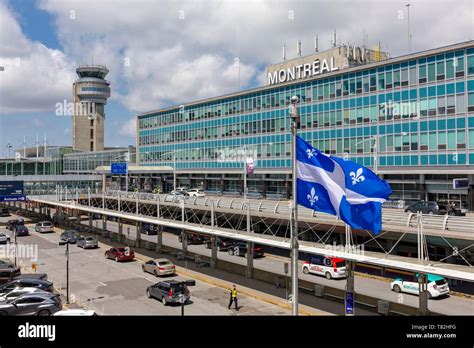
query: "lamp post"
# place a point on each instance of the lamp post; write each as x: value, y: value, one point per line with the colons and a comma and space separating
x: 376, y: 148
x: 293, y: 109
x: 66, y: 253
x: 174, y: 162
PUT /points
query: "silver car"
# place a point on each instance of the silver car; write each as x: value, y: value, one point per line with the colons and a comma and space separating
x: 44, y: 226
x: 159, y: 267
x: 87, y: 242
x: 41, y: 304
x: 4, y: 238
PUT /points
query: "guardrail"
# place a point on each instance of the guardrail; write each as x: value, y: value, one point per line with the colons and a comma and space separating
x: 282, y: 209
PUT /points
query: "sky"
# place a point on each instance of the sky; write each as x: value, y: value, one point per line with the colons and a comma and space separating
x: 163, y: 53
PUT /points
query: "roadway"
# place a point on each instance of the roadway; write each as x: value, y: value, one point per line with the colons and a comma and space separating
x: 371, y: 286
x: 112, y: 288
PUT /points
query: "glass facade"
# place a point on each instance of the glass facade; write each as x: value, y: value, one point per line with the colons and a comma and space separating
x: 87, y: 162
x: 422, y: 110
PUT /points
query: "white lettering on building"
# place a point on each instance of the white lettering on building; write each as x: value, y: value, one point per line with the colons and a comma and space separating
x: 302, y: 71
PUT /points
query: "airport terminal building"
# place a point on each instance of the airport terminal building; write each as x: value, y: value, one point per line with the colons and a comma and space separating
x: 409, y: 118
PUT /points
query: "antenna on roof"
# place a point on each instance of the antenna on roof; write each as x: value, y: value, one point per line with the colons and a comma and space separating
x: 284, y: 53
x: 334, y: 41
x: 316, y: 49
x: 298, y: 48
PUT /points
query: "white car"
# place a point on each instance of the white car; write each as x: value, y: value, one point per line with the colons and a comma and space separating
x: 44, y: 226
x: 330, y: 267
x: 75, y: 312
x: 4, y: 238
x: 437, y: 286
x: 19, y: 292
x: 196, y: 193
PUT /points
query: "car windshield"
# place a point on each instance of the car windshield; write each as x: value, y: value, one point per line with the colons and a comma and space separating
x: 21, y: 228
x: 164, y: 263
x: 177, y: 288
x: 121, y: 250
x: 90, y: 239
x: 47, y: 224
x: 440, y: 281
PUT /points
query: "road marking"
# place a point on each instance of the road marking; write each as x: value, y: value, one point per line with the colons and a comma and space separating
x: 103, y: 284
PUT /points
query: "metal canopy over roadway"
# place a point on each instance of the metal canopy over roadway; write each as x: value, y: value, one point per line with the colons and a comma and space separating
x: 384, y: 260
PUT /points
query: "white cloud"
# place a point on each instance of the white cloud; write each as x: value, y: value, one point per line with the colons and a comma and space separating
x: 129, y: 128
x: 35, y: 77
x: 157, y: 59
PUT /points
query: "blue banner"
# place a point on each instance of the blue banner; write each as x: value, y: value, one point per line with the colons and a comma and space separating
x: 119, y: 168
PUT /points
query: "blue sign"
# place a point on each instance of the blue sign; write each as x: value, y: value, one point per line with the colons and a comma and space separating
x: 349, y: 303
x: 119, y: 168
x: 11, y: 191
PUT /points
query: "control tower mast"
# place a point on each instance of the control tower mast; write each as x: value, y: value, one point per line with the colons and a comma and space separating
x: 90, y: 94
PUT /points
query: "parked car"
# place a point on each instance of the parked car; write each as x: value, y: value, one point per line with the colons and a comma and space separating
x: 330, y: 267
x: 17, y: 292
x: 223, y: 244
x: 87, y: 242
x: 437, y: 286
x: 44, y: 226
x: 4, y: 239
x: 193, y: 238
x: 196, y: 193
x: 14, y: 222
x: 425, y: 207
x: 26, y: 283
x: 149, y: 229
x: 240, y: 249
x: 170, y: 291
x: 75, y: 312
x: 40, y: 276
x: 69, y: 236
x: 42, y: 304
x: 120, y: 254
x: 8, y: 271
x: 159, y: 267
x: 21, y: 231
x: 4, y: 212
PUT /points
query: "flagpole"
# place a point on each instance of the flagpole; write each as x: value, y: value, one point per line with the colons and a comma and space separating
x: 294, y: 228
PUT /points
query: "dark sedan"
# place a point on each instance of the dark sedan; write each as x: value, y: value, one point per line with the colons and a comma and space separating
x: 15, y: 222
x: 70, y: 237
x: 425, y: 208
x: 26, y: 283
x: 21, y: 231
x: 222, y: 244
x: 38, y: 303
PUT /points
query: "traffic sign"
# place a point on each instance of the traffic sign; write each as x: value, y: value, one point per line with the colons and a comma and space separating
x: 11, y: 191
x: 460, y: 183
x: 118, y: 168
x: 349, y: 301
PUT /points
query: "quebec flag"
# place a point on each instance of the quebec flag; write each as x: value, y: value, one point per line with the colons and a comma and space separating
x: 339, y: 187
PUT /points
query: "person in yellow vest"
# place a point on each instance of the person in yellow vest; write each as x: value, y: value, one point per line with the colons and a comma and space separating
x: 233, y: 298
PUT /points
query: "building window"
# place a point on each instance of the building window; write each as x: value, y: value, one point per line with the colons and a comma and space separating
x: 470, y: 65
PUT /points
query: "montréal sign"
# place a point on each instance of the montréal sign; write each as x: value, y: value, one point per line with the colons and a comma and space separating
x: 302, y: 71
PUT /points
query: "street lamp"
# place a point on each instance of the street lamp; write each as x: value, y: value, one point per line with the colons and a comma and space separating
x: 376, y: 148
x: 62, y: 242
x: 174, y: 162
x: 294, y: 114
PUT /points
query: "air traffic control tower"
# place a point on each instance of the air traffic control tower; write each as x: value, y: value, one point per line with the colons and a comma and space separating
x: 90, y: 94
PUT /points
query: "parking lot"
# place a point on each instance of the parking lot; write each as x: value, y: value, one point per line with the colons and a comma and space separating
x: 115, y: 288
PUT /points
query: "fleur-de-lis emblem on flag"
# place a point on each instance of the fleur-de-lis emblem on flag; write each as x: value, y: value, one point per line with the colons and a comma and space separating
x: 311, y: 153
x: 312, y: 197
x: 357, y: 177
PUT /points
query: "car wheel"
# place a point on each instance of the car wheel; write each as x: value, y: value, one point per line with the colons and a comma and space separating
x: 397, y: 288
x: 431, y: 212
x: 328, y: 275
x: 143, y: 269
x: 44, y: 313
x: 116, y: 259
x: 305, y: 270
x: 3, y: 314
x: 155, y: 273
x: 106, y: 256
x: 429, y: 295
x: 148, y: 294
x: 163, y: 300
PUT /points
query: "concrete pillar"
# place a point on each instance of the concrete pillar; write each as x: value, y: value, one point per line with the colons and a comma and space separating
x: 184, y: 242
x: 104, y: 226
x: 120, y: 230
x: 213, y: 251
x: 138, y: 238
x: 423, y: 192
x: 350, y: 265
x: 423, y: 297
x: 159, y: 238
x: 264, y: 187
x: 249, y: 269
x: 90, y: 220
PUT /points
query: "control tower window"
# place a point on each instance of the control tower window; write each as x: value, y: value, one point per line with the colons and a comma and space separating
x: 92, y: 123
x: 92, y: 146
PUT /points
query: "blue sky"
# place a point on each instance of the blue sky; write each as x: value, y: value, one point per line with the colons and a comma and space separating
x: 163, y: 53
